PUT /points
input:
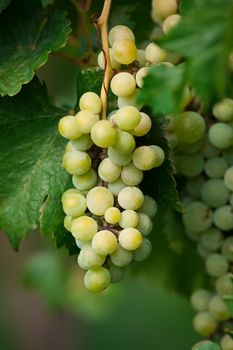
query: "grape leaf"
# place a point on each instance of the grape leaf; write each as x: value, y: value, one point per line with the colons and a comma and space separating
x: 206, y: 345
x: 27, y: 35
x: 89, y: 80
x: 4, y: 4
x: 31, y: 174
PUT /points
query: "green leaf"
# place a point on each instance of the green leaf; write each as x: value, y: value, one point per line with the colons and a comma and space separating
x: 4, y: 4
x: 89, y: 80
x: 229, y: 301
x: 25, y: 46
x: 206, y: 345
x: 31, y: 174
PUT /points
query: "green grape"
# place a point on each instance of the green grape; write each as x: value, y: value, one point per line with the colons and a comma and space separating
x: 91, y: 102
x: 204, y: 323
x: 149, y: 206
x: 227, y: 249
x: 129, y: 218
x: 103, y: 133
x: 108, y: 171
x: 144, y: 251
x: 86, y: 120
x: 223, y: 110
x: 68, y: 192
x: 190, y: 148
x: 163, y: 9
x: 112, y: 215
x: 170, y: 22
x: 79, y: 243
x: 223, y: 218
x: 83, y: 143
x: 216, y: 265
x: 130, y: 175
x: 131, y: 100
x: 76, y: 162
x: 121, y: 257
x: 154, y: 54
x: 89, y: 259
x: 68, y: 127
x: 211, y: 239
x: 141, y: 58
x: 224, y: 285
x: 99, y: 199
x: 226, y: 342
x: 69, y: 147
x: 221, y: 135
x: 203, y: 252
x: 84, y: 228
x: 190, y: 165
x: 117, y: 273
x: 228, y: 178
x: 215, y: 167
x: 123, y: 84
x: 124, y: 51
x: 86, y: 181
x: 144, y: 125
x: 145, y: 224
x: 127, y: 118
x: 160, y: 155
x: 101, y: 60
x: 116, y: 186
x: 104, y: 242
x: 148, y: 157
x: 97, y: 280
x: 74, y: 204
x: 207, y: 149
x: 67, y: 222
x: 119, y: 158
x: 228, y: 155
x: 200, y: 299
x: 130, y: 198
x: 218, y: 308
x: 194, y: 186
x: 189, y: 127
x: 214, y: 193
x: 130, y: 238
x: 140, y: 75
x: 120, y: 32
x: 172, y: 141
x: 125, y: 142
x: 198, y: 217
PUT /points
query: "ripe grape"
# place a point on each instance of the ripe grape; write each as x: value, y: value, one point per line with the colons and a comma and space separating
x: 103, y: 133
x: 204, y: 323
x: 99, y: 199
x: 145, y: 224
x: 227, y: 249
x: 130, y: 198
x: 91, y: 102
x: 129, y: 218
x: 170, y: 22
x: 216, y: 265
x: 67, y: 222
x: 124, y: 51
x: 101, y: 60
x: 89, y: 259
x: 223, y: 110
x: 141, y: 58
x: 68, y: 192
x: 68, y: 127
x: 224, y: 285
x: 149, y: 206
x: 189, y: 127
x: 86, y: 120
x: 74, y: 204
x: 116, y: 186
x: 141, y: 73
x: 84, y: 228
x: 148, y: 157
x: 198, y: 217
x: 108, y: 171
x: 218, y: 308
x: 86, y: 181
x: 154, y: 54
x: 144, y: 251
x: 120, y: 32
x: 131, y: 100
x: 121, y: 257
x: 104, y: 242
x: 130, y: 238
x: 127, y: 118
x: 125, y: 142
x: 83, y: 143
x: 97, y: 280
x: 200, y: 299
x: 223, y: 218
x: 215, y: 167
x: 112, y: 215
x: 228, y: 178
x: 221, y: 135
x: 130, y: 175
x: 119, y: 158
x: 163, y: 9
x: 76, y: 162
x: 144, y: 125
x: 123, y: 84
x: 79, y: 243
x: 214, y: 193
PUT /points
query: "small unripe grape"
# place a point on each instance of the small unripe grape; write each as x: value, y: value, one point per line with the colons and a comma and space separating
x: 223, y: 110
x: 216, y: 265
x: 68, y: 127
x: 130, y: 238
x: 124, y: 51
x: 227, y: 342
x: 91, y: 102
x: 99, y: 199
x: 221, y: 135
x: 104, y: 133
x: 141, y: 73
x: 189, y: 127
x: 144, y: 251
x: 112, y: 215
x: 203, y: 252
x: 190, y: 165
x: 227, y: 249
x: 116, y: 186
x: 125, y: 142
x: 120, y: 32
x: 117, y: 273
x: 194, y: 186
x: 149, y: 206
x: 67, y: 222
x: 108, y: 171
x: 204, y: 323
x: 104, y: 242
x: 74, y: 204
x: 200, y: 299
x: 76, y: 162
x: 211, y: 239
x: 83, y: 143
x: 141, y: 58
x: 121, y: 257
x: 228, y: 178
x: 123, y: 84
x: 101, y: 60
x: 147, y: 157
x: 89, y: 259
x: 218, y: 309
x: 144, y: 126
x: 163, y: 9
x: 131, y: 100
x: 97, y: 280
x: 154, y: 54
x: 130, y: 198
x: 223, y: 218
x: 129, y: 218
x: 86, y: 181
x: 119, y: 158
x: 84, y: 228
x: 145, y: 224
x: 224, y: 285
x: 198, y: 217
x: 215, y: 193
x: 170, y: 22
x: 130, y: 175
x: 216, y: 167
x: 127, y: 118
x: 86, y: 120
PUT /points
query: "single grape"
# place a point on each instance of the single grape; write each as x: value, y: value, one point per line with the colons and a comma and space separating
x: 104, y: 242
x: 200, y: 299
x: 227, y: 249
x: 145, y: 224
x: 79, y: 243
x: 141, y: 58
x: 170, y: 22
x: 112, y: 215
x: 76, y: 162
x: 140, y: 75
x: 149, y: 206
x: 144, y: 125
x: 99, y: 199
x: 214, y: 193
x: 86, y: 120
x: 74, y: 204
x: 67, y: 222
x: 121, y: 257
x: 125, y: 142
x: 116, y: 186
x: 108, y: 171
x: 86, y: 181
x: 144, y: 251
x: 226, y: 342
x: 130, y: 198
x: 69, y: 147
x: 89, y: 259
x: 120, y: 32
x: 68, y: 192
x: 119, y: 158
x: 163, y: 9
x: 123, y: 84
x: 223, y: 218
x: 68, y: 127
x: 194, y: 186
x: 228, y: 178
x: 130, y: 238
x: 216, y: 265
x: 84, y: 228
x: 221, y: 135
x: 223, y: 110
x: 91, y: 102
x: 124, y: 51
x: 131, y: 100
x: 101, y: 60
x: 198, y: 217
x: 129, y: 218
x: 154, y: 54
x: 117, y: 273
x: 130, y: 175
x: 97, y: 280
x: 127, y: 118
x: 204, y: 323
x: 211, y: 239
x: 207, y: 149
x: 218, y: 308
x: 216, y: 167
x: 103, y: 133
x: 224, y: 285
x: 190, y: 165
x: 189, y: 127
x: 83, y: 143
x: 148, y: 157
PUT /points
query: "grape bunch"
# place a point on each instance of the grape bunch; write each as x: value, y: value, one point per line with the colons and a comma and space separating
x: 106, y: 212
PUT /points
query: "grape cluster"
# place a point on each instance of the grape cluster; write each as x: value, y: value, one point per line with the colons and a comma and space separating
x: 106, y: 212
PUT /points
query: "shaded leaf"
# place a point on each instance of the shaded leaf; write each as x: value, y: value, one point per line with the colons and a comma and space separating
x: 4, y: 4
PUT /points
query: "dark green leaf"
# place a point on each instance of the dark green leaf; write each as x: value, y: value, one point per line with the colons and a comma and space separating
x: 89, y: 80
x: 25, y: 46
x: 229, y: 301
x: 4, y: 4
x: 206, y: 345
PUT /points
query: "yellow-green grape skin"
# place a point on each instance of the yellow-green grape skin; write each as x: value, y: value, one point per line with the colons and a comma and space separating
x: 68, y: 127
x: 223, y: 110
x: 204, y: 323
x: 154, y: 54
x: 104, y: 242
x: 79, y: 243
x: 120, y: 32
x: 140, y: 75
x: 224, y: 285
x: 144, y: 251
x: 91, y: 102
x: 160, y: 155
x: 69, y: 147
x: 189, y: 127
x: 101, y: 61
x: 124, y: 51
x: 108, y: 171
x: 130, y: 198
x: 97, y: 280
x: 131, y: 100
x: 117, y: 273
x: 129, y: 218
x: 123, y: 84
x: 144, y: 126
x: 119, y: 158
x: 112, y: 215
x: 104, y: 133
x: 145, y: 224
x: 147, y: 158
x: 86, y: 120
x: 125, y: 142
x: 76, y: 162
x: 141, y: 58
x: 116, y: 186
x: 200, y: 299
x: 68, y: 192
x: 67, y: 222
x: 216, y: 265
x: 226, y: 342
x: 228, y: 178
x: 83, y: 143
x: 99, y: 199
x: 89, y: 259
x: 84, y: 228
x: 130, y: 175
x: 163, y: 9
x: 130, y: 238
x: 149, y: 207
x: 121, y: 257
x: 127, y: 118
x: 218, y: 308
x: 170, y: 22
x: 74, y: 204
x: 85, y: 182
x: 221, y: 135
